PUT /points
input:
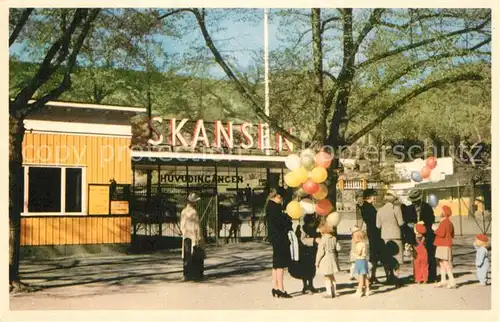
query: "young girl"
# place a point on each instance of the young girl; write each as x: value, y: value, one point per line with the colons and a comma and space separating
x: 420, y: 262
x: 326, y: 260
x: 352, y: 257
x: 361, y: 263
x: 482, y: 261
x: 443, y: 242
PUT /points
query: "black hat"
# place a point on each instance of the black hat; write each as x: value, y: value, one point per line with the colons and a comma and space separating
x: 415, y: 195
x: 369, y: 193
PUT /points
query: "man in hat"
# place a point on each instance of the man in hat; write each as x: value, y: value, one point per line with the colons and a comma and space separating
x: 389, y: 221
x: 369, y: 215
x: 192, y: 240
x: 424, y: 212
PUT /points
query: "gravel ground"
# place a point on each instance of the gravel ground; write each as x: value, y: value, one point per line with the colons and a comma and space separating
x: 238, y: 277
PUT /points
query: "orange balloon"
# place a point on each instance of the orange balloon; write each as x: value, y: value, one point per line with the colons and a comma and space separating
x: 324, y: 160
x: 431, y: 162
x: 425, y: 172
x: 322, y: 192
x: 323, y: 207
x: 310, y: 187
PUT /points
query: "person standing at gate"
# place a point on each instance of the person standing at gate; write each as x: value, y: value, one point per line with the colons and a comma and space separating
x: 192, y: 241
x: 248, y: 194
x: 369, y: 215
x: 425, y: 213
x: 278, y: 224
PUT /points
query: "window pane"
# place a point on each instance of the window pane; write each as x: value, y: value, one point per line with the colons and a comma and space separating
x: 44, y: 190
x: 73, y: 190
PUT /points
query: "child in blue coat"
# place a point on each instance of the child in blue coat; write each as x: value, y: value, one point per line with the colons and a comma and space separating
x: 482, y: 261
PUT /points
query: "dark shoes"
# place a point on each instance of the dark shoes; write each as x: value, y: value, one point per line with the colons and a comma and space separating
x: 305, y: 289
x: 279, y: 293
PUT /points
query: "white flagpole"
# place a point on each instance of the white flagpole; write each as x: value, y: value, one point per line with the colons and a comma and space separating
x: 266, y: 78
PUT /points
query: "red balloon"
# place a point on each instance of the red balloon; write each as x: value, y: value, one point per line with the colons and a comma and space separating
x: 310, y: 187
x: 323, y: 207
x: 431, y: 162
x: 324, y: 159
x: 425, y: 172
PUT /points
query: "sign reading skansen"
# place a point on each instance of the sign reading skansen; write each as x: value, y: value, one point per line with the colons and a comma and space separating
x: 184, y: 134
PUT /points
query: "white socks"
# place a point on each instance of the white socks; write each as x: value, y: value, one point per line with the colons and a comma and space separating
x: 329, y: 286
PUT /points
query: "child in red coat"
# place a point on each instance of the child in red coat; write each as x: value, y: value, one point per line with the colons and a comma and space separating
x: 420, y: 263
x: 444, y: 243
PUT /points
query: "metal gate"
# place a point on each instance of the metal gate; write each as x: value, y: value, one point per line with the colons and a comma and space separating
x: 156, y: 214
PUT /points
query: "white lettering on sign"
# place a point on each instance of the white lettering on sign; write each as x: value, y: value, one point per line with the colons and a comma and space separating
x: 222, y: 133
x: 245, y: 128
x: 200, y: 127
x: 158, y: 119
x: 227, y: 135
x: 176, y: 133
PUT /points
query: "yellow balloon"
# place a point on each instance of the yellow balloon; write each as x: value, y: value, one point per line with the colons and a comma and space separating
x: 291, y: 180
x: 294, y: 210
x: 322, y: 192
x: 301, y: 175
x: 319, y: 174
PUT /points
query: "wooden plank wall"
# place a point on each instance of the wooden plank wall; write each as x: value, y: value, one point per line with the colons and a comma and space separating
x: 38, y: 231
x: 104, y: 157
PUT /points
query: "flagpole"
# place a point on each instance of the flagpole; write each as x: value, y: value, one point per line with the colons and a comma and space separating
x: 266, y: 78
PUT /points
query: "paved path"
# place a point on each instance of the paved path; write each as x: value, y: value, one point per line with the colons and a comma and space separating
x: 238, y: 277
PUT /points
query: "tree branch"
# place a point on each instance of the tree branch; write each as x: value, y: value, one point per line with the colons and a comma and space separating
x: 20, y: 25
x: 239, y: 86
x: 481, y: 44
x: 173, y: 12
x: 421, y: 43
x: 418, y: 19
x: 66, y: 82
x: 361, y: 107
x: 405, y: 99
x: 374, y: 20
x: 46, y: 70
x: 327, y: 21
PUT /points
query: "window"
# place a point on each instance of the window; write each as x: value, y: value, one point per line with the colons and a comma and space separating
x: 44, y: 190
x: 73, y: 190
x: 54, y: 190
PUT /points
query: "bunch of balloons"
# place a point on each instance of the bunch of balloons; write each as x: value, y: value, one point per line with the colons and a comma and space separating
x: 426, y: 171
x: 308, y: 174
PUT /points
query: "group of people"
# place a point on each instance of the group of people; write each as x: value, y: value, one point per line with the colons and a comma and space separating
x: 389, y: 232
x: 384, y: 237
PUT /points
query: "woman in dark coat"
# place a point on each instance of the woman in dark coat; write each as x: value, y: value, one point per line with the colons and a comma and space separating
x: 369, y: 215
x: 305, y: 268
x: 278, y: 224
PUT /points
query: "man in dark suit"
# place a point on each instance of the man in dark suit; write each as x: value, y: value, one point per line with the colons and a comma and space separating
x: 369, y: 215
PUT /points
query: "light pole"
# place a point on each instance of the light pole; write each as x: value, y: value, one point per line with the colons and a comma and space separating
x: 266, y: 79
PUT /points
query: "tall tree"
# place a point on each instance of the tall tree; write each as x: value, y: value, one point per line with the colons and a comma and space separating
x: 398, y: 54
x: 63, y: 43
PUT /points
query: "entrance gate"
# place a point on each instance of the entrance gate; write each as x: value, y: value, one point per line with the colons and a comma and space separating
x: 156, y: 213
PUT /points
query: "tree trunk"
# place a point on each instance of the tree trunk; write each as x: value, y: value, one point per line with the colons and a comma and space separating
x: 318, y: 75
x: 333, y: 178
x: 16, y: 195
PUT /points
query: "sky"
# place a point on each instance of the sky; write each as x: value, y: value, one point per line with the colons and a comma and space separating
x: 245, y: 40
x: 240, y: 39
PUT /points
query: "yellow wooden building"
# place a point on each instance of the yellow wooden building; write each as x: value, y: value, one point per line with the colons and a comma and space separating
x: 73, y: 151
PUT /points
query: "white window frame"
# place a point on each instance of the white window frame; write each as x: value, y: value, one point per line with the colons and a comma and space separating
x: 63, y: 212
